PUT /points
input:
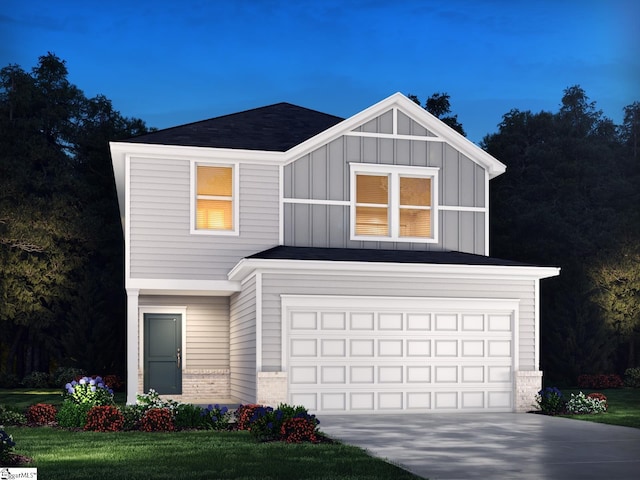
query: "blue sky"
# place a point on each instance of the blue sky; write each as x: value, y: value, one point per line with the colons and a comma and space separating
x: 173, y: 62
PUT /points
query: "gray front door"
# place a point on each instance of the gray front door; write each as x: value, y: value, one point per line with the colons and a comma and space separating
x: 163, y: 353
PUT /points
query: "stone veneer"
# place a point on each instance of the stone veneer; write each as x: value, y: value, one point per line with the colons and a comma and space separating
x: 200, y: 385
x: 527, y: 384
x: 272, y: 388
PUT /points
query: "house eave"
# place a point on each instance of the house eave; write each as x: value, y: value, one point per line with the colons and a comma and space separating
x: 246, y: 267
x: 162, y: 286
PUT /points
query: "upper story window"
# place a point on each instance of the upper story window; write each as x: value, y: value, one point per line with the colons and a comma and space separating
x: 394, y: 203
x: 215, y: 199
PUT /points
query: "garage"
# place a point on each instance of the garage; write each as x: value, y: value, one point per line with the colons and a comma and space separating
x: 398, y: 354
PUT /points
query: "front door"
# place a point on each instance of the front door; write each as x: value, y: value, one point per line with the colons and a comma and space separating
x: 163, y: 353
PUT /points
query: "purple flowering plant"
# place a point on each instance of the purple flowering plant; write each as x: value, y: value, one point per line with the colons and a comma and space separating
x: 88, y: 391
x: 217, y: 417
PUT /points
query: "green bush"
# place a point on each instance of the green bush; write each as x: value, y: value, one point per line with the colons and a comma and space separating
x: 72, y: 414
x: 550, y: 401
x: 632, y: 377
x: 580, y: 404
x: 267, y: 424
x: 63, y: 375
x: 36, y: 380
x: 189, y: 416
x: 152, y: 400
x: 9, y: 416
x: 6, y: 447
x: 132, y: 414
x: 216, y: 417
x: 90, y: 391
x: 9, y: 380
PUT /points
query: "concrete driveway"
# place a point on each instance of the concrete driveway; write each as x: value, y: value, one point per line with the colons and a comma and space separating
x: 493, y: 446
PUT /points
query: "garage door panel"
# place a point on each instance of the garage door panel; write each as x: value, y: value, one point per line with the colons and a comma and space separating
x: 386, y: 358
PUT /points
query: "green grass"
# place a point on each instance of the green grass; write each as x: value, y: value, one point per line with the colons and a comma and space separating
x: 61, y: 454
x: 624, y: 407
x: 21, y: 398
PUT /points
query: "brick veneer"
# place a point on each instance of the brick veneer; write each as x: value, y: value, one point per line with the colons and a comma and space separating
x: 527, y: 384
x: 272, y: 388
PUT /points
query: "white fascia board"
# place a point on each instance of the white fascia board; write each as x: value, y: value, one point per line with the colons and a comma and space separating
x: 119, y: 162
x: 149, y: 150
x: 318, y: 267
x: 158, y: 286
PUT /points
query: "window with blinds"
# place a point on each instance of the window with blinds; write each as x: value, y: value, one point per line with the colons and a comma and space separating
x: 214, y: 198
x: 393, y: 203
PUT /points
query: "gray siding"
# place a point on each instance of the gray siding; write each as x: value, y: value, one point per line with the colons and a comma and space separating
x: 275, y: 285
x: 324, y: 175
x: 161, y: 243
x: 242, y: 340
x: 207, y: 335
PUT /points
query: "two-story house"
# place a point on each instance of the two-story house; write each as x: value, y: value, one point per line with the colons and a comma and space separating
x: 285, y: 255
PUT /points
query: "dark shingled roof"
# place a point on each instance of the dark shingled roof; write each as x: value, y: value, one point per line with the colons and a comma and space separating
x: 275, y: 128
x: 389, y: 256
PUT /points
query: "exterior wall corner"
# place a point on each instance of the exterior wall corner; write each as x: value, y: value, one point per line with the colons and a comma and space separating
x: 271, y: 388
x: 527, y: 384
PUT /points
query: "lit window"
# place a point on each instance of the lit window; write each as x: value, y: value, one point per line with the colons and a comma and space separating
x: 393, y: 203
x: 214, y: 202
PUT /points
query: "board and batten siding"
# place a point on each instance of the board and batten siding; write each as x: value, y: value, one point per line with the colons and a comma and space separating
x: 161, y: 245
x: 207, y: 335
x: 274, y: 285
x: 242, y: 343
x: 324, y: 176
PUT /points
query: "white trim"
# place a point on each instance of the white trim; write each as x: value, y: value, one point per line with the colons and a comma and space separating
x: 258, y: 322
x: 127, y: 218
x: 169, y: 286
x: 318, y: 267
x: 235, y: 198
x: 459, y: 208
x: 181, y: 310
x: 281, y: 205
x: 133, y: 345
x: 310, y: 201
x: 395, y: 120
x: 395, y: 136
x: 486, y: 217
x: 394, y: 172
x: 516, y: 341
x: 536, y: 328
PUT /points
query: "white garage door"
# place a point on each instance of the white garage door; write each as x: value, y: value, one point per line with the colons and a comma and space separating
x: 357, y: 354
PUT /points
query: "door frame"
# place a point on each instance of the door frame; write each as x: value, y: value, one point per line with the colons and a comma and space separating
x: 179, y: 310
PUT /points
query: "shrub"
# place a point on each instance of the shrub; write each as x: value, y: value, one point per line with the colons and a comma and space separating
x: 601, y: 381
x: 244, y: 414
x: 296, y: 430
x: 157, y: 420
x: 104, y: 418
x: 8, y: 416
x: 36, y: 380
x: 90, y: 391
x: 41, y: 414
x: 266, y: 423
x: 9, y: 380
x: 152, y: 400
x: 6, y: 447
x: 599, y: 396
x: 550, y: 401
x: 73, y: 415
x: 63, y: 375
x: 216, y: 417
x: 580, y: 404
x: 189, y: 416
x: 114, y: 382
x: 632, y: 377
x: 132, y: 414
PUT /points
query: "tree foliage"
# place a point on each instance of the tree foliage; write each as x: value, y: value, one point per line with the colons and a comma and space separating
x: 439, y: 106
x: 568, y: 198
x: 61, y: 289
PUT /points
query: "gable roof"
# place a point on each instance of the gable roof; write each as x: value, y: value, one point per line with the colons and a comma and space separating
x: 277, y: 128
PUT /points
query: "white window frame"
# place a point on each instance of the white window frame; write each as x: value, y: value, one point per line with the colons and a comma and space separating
x: 235, y: 198
x: 394, y: 172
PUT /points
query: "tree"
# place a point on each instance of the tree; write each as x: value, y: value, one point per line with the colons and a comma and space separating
x: 555, y: 206
x: 439, y: 106
x: 59, y: 222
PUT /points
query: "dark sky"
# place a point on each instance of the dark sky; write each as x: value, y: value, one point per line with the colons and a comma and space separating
x: 173, y: 62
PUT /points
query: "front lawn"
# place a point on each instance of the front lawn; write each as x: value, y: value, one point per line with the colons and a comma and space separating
x: 62, y: 454
x: 624, y: 407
